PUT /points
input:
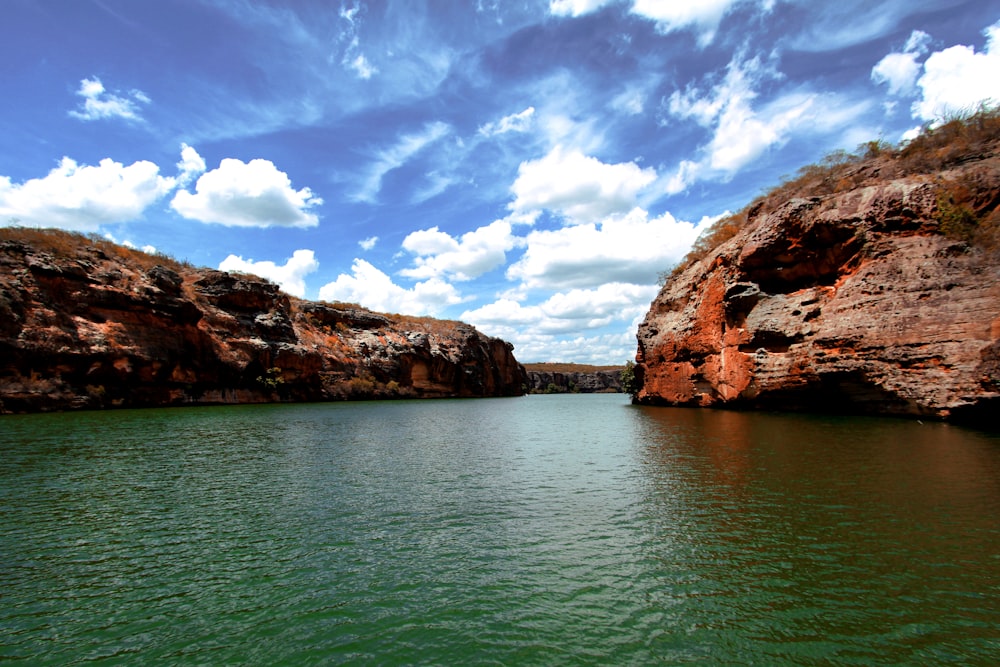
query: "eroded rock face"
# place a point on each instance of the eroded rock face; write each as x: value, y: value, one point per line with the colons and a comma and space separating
x: 852, y: 302
x: 602, y: 381
x: 84, y: 327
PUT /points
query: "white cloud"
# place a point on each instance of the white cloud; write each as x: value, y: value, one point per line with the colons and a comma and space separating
x: 368, y: 243
x: 362, y: 67
x: 578, y: 187
x: 952, y: 81
x: 98, y: 103
x: 149, y: 249
x: 395, y: 156
x: 900, y: 70
x: 740, y: 134
x: 688, y: 171
x: 352, y: 59
x: 575, y: 7
x: 247, y: 194
x: 627, y: 249
x: 631, y: 101
x: 544, y: 332
x: 290, y: 276
x: 373, y: 289
x: 516, y: 122
x: 671, y: 15
x: 83, y: 197
x: 439, y: 254
x: 567, y: 312
x: 958, y: 79
x: 917, y: 42
x: 191, y: 165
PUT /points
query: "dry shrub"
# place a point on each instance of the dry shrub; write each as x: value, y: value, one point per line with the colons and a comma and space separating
x: 966, y: 210
x: 962, y: 138
x: 721, y: 231
x: 62, y: 243
x: 556, y: 367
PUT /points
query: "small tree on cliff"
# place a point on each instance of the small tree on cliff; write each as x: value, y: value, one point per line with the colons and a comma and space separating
x: 630, y: 385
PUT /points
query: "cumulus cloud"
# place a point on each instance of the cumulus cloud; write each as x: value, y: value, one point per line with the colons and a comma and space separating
x: 290, y: 276
x: 626, y: 249
x: 438, y: 254
x: 191, y: 165
x: 395, y: 156
x: 958, y: 79
x: 84, y: 197
x: 368, y: 243
x: 543, y: 332
x: 515, y: 122
x: 578, y: 187
x: 247, y: 194
x: 98, y: 103
x: 900, y: 70
x: 952, y: 81
x: 374, y: 289
x: 566, y: 312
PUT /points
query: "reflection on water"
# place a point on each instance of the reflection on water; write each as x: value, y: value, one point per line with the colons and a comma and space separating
x: 547, y: 529
x: 860, y: 539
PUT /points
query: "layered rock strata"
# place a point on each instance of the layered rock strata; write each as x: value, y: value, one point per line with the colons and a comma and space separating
x: 565, y: 382
x: 86, y: 324
x: 856, y: 301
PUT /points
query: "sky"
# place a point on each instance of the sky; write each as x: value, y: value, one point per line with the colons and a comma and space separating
x: 530, y: 167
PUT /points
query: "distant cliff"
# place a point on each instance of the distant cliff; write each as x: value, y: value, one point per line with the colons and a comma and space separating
x: 553, y: 378
x: 870, y: 284
x: 85, y: 323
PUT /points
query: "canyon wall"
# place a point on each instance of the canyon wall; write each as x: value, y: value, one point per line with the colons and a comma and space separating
x: 881, y: 296
x: 580, y: 382
x: 88, y: 324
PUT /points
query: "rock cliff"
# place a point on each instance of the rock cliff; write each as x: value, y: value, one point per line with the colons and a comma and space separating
x: 88, y: 324
x: 878, y: 293
x: 546, y: 378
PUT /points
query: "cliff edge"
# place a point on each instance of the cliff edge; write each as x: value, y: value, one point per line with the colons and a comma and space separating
x: 85, y: 323
x: 557, y: 378
x: 869, y: 285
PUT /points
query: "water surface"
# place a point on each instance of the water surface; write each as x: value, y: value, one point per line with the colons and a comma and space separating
x: 538, y: 530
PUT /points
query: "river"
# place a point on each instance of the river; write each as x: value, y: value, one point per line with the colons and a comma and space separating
x: 549, y: 530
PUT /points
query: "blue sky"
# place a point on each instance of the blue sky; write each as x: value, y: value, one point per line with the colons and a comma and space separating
x: 529, y: 167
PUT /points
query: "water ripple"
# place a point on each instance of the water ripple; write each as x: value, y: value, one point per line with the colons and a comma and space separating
x: 546, y: 530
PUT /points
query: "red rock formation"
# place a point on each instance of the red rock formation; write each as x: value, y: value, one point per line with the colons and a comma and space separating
x: 87, y: 324
x: 853, y: 301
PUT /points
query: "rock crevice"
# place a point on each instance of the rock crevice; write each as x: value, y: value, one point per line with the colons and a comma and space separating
x: 86, y: 324
x: 857, y: 301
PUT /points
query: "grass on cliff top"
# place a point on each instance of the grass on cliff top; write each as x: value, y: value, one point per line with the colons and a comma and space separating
x: 962, y: 214
x: 63, y: 243
x: 556, y: 367
x: 74, y: 245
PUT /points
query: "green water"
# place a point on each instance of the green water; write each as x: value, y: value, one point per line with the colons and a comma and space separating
x: 539, y: 530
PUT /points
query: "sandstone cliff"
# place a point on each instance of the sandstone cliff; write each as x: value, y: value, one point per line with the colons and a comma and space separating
x: 88, y: 324
x: 871, y: 285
